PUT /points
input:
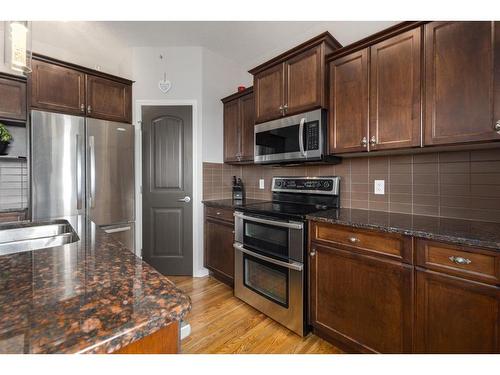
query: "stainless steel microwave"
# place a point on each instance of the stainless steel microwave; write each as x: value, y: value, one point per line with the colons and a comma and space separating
x: 296, y: 138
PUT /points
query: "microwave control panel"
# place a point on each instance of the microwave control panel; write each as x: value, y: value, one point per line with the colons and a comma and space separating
x: 312, y: 135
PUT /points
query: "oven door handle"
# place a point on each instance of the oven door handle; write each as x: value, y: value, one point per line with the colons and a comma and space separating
x: 270, y: 222
x: 301, y: 136
x: 296, y: 266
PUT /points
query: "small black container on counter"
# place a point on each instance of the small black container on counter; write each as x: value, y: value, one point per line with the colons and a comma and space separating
x: 238, y: 190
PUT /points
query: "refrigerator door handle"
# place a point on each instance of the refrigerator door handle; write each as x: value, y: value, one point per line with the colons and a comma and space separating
x: 78, y: 174
x: 92, y: 171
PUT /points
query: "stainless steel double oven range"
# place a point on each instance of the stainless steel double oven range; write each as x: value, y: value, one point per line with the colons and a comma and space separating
x: 270, y: 247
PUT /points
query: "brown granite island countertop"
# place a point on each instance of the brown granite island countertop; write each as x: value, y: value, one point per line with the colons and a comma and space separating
x: 90, y: 296
x: 458, y: 231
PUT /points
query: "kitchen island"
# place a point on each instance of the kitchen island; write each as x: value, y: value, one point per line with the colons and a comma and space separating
x: 90, y: 296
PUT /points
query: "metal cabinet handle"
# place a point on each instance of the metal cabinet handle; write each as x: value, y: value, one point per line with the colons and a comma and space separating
x: 460, y: 260
x: 82, y: 107
x: 313, y: 252
x: 217, y: 213
x: 285, y: 108
x: 373, y: 140
x: 89, y: 109
x: 364, y: 142
x: 186, y: 199
x: 497, y: 126
x: 353, y: 239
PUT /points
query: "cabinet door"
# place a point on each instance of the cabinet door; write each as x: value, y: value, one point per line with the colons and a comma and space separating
x: 269, y: 93
x: 219, y: 252
x: 247, y: 130
x: 349, y: 103
x: 109, y: 100
x: 454, y: 315
x: 231, y: 130
x: 462, y: 85
x: 12, y: 99
x: 395, y: 104
x: 361, y: 301
x: 56, y: 88
x: 304, y: 83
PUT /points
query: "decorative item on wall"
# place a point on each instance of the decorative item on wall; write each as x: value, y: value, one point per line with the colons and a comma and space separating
x: 17, y: 44
x: 164, y: 85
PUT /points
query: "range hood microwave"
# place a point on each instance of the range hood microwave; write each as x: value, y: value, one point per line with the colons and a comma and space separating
x: 294, y: 139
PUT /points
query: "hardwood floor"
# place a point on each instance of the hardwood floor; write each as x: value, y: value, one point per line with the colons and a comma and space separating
x: 223, y: 324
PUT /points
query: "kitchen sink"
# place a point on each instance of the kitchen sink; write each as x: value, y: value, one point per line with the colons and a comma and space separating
x: 34, y: 236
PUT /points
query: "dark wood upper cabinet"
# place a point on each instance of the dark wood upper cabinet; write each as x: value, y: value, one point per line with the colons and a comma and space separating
x: 363, y: 302
x: 294, y: 81
x: 395, y: 104
x: 269, y: 93
x: 57, y: 88
x: 239, y: 122
x: 108, y: 99
x: 348, y: 117
x: 454, y: 315
x: 12, y: 98
x: 462, y: 82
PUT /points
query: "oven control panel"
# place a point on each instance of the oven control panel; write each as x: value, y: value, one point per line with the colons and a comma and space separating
x: 309, y: 185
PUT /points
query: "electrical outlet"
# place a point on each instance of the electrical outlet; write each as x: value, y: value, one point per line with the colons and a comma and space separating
x: 379, y: 187
x: 261, y: 183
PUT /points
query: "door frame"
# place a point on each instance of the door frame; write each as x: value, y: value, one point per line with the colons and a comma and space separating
x: 198, y: 269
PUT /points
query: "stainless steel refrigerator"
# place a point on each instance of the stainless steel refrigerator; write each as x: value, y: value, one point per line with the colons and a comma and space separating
x: 82, y: 165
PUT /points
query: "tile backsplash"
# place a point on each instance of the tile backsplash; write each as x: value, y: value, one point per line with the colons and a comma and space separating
x: 459, y: 184
x: 13, y: 184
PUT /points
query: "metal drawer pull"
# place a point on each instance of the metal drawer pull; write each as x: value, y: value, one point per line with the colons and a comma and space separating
x: 292, y: 265
x: 353, y: 239
x: 460, y: 260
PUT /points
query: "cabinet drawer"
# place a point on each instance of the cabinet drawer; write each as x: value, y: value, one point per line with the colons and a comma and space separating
x: 219, y: 213
x: 474, y: 264
x: 387, y: 244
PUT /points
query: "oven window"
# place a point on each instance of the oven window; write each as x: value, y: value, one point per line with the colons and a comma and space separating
x: 266, y: 238
x: 267, y: 279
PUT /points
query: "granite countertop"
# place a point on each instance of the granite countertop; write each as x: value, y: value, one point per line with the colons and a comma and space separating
x: 90, y: 296
x: 463, y: 232
x: 230, y: 204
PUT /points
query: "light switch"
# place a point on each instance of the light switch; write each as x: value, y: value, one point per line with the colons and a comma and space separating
x: 261, y: 183
x: 379, y: 187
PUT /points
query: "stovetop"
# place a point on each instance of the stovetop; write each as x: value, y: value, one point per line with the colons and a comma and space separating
x: 285, y: 210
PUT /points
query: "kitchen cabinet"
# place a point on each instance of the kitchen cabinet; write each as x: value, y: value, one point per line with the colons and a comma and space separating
x: 462, y: 61
x: 67, y: 88
x: 164, y: 341
x: 348, y: 120
x: 12, y: 98
x: 361, y: 301
x: 57, y: 88
x: 108, y: 99
x: 395, y: 103
x: 219, y: 240
x: 239, y: 122
x: 294, y: 81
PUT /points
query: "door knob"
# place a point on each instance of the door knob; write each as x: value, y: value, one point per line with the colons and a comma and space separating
x: 186, y: 199
x: 497, y: 126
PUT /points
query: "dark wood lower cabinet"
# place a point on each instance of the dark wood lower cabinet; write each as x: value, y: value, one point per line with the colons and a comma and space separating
x: 219, y: 252
x: 454, y: 315
x: 360, y: 301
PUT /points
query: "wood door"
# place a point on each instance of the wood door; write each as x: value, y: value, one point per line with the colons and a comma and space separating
x: 167, y: 208
x: 58, y: 89
x: 219, y: 251
x: 454, y: 315
x: 462, y: 84
x: 108, y: 100
x: 269, y: 93
x: 12, y: 99
x: 395, y: 104
x: 360, y: 301
x: 304, y: 81
x: 247, y: 127
x: 348, y: 119
x: 232, y: 131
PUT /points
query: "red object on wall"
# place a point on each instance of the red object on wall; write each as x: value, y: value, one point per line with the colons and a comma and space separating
x: 241, y: 88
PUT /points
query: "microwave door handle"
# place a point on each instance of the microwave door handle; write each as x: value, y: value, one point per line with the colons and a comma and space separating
x: 301, y: 136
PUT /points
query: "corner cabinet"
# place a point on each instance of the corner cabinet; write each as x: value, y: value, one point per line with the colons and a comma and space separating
x: 239, y: 122
x: 294, y: 81
x: 462, y: 65
x: 65, y: 88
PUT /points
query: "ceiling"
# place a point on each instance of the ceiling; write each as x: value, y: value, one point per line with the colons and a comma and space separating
x: 248, y: 43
